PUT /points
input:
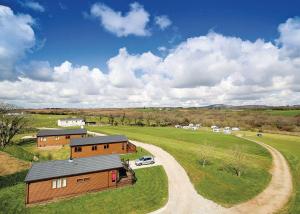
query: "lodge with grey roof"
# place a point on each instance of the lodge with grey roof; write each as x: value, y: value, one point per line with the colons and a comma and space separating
x: 100, y: 145
x: 61, y: 178
x: 58, y: 137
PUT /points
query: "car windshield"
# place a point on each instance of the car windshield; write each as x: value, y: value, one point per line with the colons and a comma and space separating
x: 141, y: 159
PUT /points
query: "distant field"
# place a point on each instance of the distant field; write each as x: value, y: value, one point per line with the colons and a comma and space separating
x: 289, y: 146
x: 290, y: 113
x: 44, y: 120
x: 148, y: 194
x: 214, y: 181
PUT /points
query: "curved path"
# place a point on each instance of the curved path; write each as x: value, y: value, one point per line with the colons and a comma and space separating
x: 277, y: 193
x: 183, y: 198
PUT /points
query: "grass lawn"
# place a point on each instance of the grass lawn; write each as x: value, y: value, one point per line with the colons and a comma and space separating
x: 148, y: 194
x: 140, y: 153
x: 289, y: 146
x: 214, y: 181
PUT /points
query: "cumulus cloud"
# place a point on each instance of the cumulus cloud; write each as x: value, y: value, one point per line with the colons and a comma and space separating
x: 290, y: 36
x: 36, y: 6
x: 202, y: 70
x: 134, y: 22
x: 162, y: 21
x: 16, y: 38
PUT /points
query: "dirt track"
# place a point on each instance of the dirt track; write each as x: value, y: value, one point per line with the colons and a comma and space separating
x: 277, y: 193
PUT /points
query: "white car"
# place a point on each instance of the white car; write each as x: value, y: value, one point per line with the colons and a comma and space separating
x: 144, y: 161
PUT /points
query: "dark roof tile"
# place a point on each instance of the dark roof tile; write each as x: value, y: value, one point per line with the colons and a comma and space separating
x: 61, y: 168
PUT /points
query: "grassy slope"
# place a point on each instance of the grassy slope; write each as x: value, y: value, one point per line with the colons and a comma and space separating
x: 211, y: 181
x: 132, y: 199
x: 289, y: 146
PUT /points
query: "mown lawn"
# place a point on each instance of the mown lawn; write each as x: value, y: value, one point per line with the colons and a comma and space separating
x: 214, y: 181
x: 149, y: 193
x: 289, y: 146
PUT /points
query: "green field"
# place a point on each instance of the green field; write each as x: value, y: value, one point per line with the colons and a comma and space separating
x: 214, y: 181
x: 149, y: 193
x: 289, y: 146
x: 290, y: 113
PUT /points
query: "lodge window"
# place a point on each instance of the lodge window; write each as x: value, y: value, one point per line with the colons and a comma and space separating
x: 59, y: 183
x: 123, y: 146
x: 94, y: 147
x: 56, y: 138
x: 81, y: 180
x: 106, y: 146
x: 68, y: 137
x: 78, y: 149
x: 43, y: 139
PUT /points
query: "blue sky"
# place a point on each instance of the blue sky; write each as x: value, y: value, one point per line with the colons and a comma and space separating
x: 149, y: 53
x: 68, y: 35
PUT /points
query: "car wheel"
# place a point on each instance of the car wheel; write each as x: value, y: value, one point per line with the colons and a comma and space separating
x: 152, y: 162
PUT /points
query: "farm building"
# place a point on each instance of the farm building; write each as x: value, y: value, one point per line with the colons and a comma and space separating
x: 62, y: 178
x: 56, y: 137
x: 71, y: 122
x: 114, y: 144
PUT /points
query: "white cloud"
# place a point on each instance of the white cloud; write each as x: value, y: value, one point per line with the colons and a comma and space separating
x: 290, y: 36
x: 36, y: 6
x: 201, y: 70
x: 134, y: 22
x: 16, y: 38
x: 162, y: 21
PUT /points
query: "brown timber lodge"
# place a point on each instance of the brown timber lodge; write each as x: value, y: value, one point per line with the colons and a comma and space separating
x: 94, y: 165
x: 62, y: 178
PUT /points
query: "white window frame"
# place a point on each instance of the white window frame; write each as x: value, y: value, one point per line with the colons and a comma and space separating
x: 54, y: 184
x: 59, y: 183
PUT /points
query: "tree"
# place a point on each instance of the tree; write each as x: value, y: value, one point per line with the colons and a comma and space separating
x: 238, y: 161
x: 123, y: 118
x: 11, y: 123
x: 111, y: 119
x: 204, y: 154
x: 100, y: 118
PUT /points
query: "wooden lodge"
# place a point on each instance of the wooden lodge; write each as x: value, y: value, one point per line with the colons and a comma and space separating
x: 101, y: 145
x: 64, y: 178
x: 56, y: 137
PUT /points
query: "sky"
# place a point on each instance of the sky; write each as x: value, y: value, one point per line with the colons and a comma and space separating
x: 149, y: 53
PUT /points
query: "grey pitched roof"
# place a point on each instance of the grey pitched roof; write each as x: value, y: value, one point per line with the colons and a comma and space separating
x: 98, y: 140
x: 61, y: 168
x: 57, y: 132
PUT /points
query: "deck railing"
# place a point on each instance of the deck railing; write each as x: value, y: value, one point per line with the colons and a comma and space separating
x: 129, y: 170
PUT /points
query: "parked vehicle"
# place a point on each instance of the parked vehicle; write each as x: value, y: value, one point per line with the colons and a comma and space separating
x: 144, y: 161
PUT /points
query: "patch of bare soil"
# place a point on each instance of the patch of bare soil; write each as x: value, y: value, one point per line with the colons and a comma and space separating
x: 10, y: 165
